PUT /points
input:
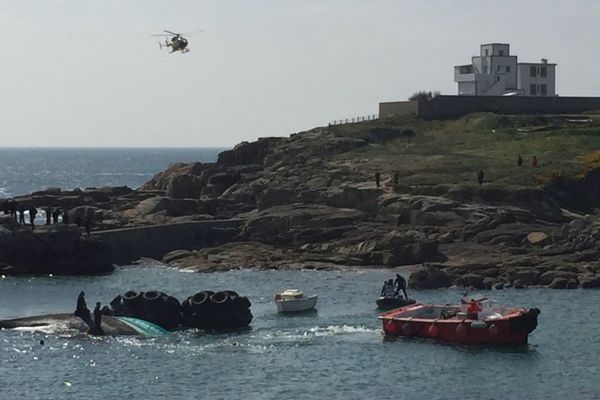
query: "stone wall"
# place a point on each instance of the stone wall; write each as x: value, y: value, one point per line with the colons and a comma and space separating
x: 397, y: 108
x: 130, y: 244
x: 457, y: 106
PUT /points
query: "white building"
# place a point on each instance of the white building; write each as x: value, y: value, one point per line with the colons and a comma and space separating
x: 497, y: 73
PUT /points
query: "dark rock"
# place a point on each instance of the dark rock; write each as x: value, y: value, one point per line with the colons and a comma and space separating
x: 185, y: 186
x: 499, y: 286
x: 548, y: 277
x: 572, y: 284
x: 558, y: 283
x: 58, y: 249
x: 471, y: 280
x: 428, y: 277
x: 590, y: 282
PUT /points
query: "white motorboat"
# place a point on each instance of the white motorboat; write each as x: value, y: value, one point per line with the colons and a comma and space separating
x: 293, y: 300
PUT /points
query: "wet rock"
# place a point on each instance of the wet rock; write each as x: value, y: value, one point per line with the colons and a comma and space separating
x: 558, y: 283
x: 590, y: 282
x: 176, y: 255
x: 548, y: 277
x: 429, y: 277
x: 572, y: 284
x: 471, y: 280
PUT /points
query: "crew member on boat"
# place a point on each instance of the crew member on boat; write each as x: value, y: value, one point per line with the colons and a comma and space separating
x: 388, y: 289
x: 400, y: 284
x: 473, y: 309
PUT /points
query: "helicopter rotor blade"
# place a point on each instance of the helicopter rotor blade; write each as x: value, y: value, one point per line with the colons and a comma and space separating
x: 190, y: 33
x: 172, y: 33
x: 161, y: 34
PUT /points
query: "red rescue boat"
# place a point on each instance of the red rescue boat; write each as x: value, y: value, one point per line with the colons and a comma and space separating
x: 493, y: 325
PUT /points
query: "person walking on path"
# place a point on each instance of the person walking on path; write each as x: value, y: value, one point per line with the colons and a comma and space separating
x: 480, y: 177
x: 377, y: 178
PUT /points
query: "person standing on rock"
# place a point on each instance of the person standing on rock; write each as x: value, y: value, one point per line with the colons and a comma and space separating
x: 32, y: 214
x: 377, y: 178
x: 48, y: 212
x: 480, y: 177
x: 396, y: 177
x: 65, y: 218
x: 534, y: 162
x: 519, y: 161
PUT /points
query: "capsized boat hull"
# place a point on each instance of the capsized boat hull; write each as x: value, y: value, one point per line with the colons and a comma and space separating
x: 112, y: 326
x: 512, y: 327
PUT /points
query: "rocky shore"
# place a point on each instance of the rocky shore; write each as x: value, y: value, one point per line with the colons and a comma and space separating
x: 310, y: 201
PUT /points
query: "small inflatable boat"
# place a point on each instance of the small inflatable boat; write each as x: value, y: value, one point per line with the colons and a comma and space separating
x: 387, y: 303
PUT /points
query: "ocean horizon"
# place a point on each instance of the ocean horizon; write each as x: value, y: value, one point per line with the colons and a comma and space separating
x: 27, y: 169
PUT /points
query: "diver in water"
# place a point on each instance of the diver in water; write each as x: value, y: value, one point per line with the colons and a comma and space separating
x: 388, y: 289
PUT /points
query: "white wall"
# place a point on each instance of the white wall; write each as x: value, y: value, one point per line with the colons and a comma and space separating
x: 525, y: 80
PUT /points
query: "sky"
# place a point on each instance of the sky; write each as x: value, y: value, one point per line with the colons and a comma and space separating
x: 88, y: 73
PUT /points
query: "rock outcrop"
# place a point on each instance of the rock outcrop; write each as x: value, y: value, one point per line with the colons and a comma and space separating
x: 58, y: 249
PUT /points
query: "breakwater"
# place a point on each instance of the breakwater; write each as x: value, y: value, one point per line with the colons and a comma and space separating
x: 130, y: 244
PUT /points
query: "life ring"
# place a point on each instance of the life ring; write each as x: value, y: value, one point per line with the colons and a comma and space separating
x: 219, y: 298
x: 200, y: 298
x: 131, y: 297
x: 152, y: 295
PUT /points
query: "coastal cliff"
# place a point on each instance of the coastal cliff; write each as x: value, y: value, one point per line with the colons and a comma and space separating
x: 311, y: 201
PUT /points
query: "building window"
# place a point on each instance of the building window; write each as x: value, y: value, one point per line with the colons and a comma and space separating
x: 499, y: 68
x: 508, y: 68
x: 543, y: 90
x: 543, y: 72
x: 501, y: 52
x: 498, y: 79
x: 487, y: 52
x: 532, y: 89
x: 485, y: 69
x: 532, y: 71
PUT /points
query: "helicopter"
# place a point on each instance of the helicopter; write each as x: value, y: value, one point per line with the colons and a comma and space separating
x: 177, y: 42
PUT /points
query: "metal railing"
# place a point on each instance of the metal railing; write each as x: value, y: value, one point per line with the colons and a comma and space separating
x: 354, y: 120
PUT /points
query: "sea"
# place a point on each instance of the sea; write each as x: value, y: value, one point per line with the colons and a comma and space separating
x: 337, y: 352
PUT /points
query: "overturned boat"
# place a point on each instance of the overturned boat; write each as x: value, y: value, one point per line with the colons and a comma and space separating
x: 151, y: 313
x: 493, y: 325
